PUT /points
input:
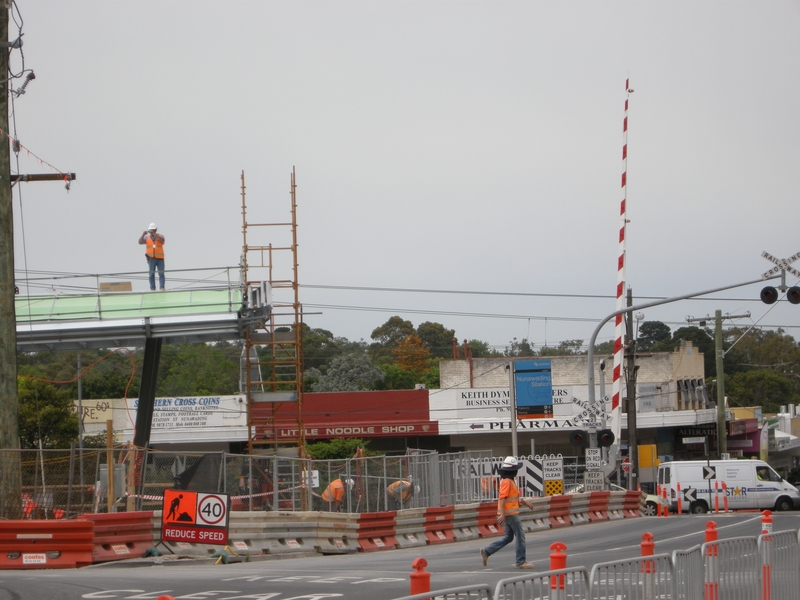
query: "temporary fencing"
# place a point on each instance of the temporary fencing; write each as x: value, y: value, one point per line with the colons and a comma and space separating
x: 753, y: 568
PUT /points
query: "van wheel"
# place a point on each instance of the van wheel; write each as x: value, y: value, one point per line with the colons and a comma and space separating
x: 784, y: 504
x: 699, y: 508
x: 650, y: 509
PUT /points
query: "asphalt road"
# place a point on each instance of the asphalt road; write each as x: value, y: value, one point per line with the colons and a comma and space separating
x: 374, y: 575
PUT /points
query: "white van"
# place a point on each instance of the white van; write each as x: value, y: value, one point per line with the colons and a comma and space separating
x: 750, y: 484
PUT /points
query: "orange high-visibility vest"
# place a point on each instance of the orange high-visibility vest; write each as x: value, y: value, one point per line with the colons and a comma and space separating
x: 400, y: 490
x: 155, y: 247
x: 334, y: 491
x: 509, y: 497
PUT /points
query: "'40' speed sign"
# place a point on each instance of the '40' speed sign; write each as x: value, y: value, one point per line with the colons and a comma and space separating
x: 212, y: 509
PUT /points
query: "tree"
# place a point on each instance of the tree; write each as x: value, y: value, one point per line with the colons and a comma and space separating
x: 650, y: 333
x: 519, y: 348
x: 438, y: 339
x: 46, y: 414
x: 567, y: 347
x: 763, y: 387
x: 349, y: 373
x: 482, y: 349
x: 411, y: 354
x: 387, y: 336
x: 700, y: 338
x: 396, y: 378
x: 337, y: 449
x: 200, y: 370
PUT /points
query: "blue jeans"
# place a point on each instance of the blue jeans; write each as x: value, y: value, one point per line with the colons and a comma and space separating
x: 513, y: 527
x: 152, y: 265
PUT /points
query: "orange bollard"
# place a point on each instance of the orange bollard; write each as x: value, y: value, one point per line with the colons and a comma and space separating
x: 420, y: 579
x: 712, y: 568
x: 558, y: 560
x: 680, y: 498
x: 725, y: 496
x: 165, y: 598
x: 766, y: 521
x: 666, y: 506
x: 648, y: 549
x: 716, y: 496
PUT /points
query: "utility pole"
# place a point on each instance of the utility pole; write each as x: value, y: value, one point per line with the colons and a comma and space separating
x: 630, y: 384
x: 10, y: 493
x: 722, y: 432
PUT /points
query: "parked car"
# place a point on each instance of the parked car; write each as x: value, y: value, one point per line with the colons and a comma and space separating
x: 650, y: 502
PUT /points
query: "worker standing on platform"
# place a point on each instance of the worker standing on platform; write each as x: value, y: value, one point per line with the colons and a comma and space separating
x: 508, y: 502
x: 154, y: 254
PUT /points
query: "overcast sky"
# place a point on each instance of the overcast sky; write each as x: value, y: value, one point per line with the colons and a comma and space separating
x: 440, y: 145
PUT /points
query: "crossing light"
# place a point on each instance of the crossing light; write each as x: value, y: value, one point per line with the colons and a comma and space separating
x: 793, y: 295
x: 769, y: 295
x: 579, y: 438
x: 605, y: 437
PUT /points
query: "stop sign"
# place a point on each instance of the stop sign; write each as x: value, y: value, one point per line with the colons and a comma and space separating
x: 626, y: 465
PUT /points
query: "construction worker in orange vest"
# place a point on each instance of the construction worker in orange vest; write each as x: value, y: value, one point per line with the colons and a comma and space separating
x: 334, y: 493
x: 154, y: 254
x: 402, y: 491
x: 508, y: 502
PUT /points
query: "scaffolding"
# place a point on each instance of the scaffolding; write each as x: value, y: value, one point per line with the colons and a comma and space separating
x: 272, y: 357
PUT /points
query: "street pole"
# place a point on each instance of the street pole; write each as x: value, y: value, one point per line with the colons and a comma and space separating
x: 630, y: 385
x: 722, y: 435
x: 10, y: 493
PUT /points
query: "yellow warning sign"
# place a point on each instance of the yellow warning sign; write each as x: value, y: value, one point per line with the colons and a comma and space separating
x: 553, y: 487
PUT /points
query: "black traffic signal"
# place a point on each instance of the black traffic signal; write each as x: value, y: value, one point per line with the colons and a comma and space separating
x: 605, y: 437
x: 769, y: 295
x: 579, y: 438
x: 793, y: 295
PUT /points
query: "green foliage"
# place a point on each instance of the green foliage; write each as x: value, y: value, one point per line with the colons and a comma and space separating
x: 762, y: 387
x: 519, y: 348
x: 45, y: 413
x: 337, y: 449
x: 565, y: 348
x: 431, y: 377
x: 651, y: 333
x: 388, y: 335
x: 482, y: 349
x: 349, y: 373
x: 605, y: 348
x: 438, y: 339
x: 199, y: 370
x: 396, y: 378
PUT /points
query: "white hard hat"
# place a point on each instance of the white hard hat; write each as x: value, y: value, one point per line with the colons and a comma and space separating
x: 416, y: 489
x: 510, y: 463
x: 152, y: 227
x: 350, y: 483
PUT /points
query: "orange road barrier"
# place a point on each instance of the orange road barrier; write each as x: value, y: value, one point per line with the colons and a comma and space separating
x: 648, y: 549
x: 487, y: 520
x: 632, y: 504
x: 766, y: 521
x: 712, y: 567
x: 725, y: 495
x: 559, y: 514
x: 716, y: 496
x: 420, y: 578
x: 680, y: 498
x: 58, y: 544
x: 439, y: 524
x: 376, y: 531
x: 120, y: 535
x: 598, y: 506
x: 665, y: 503
x: 558, y: 560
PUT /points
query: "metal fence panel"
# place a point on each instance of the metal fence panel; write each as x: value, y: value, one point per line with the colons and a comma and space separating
x: 780, y: 570
x: 643, y: 578
x: 561, y: 584
x: 733, y: 568
x: 689, y: 575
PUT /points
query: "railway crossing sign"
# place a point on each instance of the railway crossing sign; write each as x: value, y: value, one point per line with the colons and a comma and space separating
x: 195, y: 517
x: 781, y: 264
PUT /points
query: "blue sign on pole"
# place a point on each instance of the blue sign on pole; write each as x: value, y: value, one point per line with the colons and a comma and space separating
x: 533, y: 388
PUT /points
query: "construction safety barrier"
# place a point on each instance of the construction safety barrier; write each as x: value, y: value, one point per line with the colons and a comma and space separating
x: 94, y: 538
x: 616, y: 505
x: 633, y: 504
x: 117, y: 536
x: 57, y: 544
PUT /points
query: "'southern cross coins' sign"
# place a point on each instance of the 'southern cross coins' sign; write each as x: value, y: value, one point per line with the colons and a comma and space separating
x: 194, y: 517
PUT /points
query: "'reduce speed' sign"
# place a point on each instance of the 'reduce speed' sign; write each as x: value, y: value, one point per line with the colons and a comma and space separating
x: 194, y: 517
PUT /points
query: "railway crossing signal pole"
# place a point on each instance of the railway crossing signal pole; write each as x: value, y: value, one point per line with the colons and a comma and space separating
x: 10, y: 493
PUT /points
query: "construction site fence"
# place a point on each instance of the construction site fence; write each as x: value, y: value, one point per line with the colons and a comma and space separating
x: 766, y: 567
x: 65, y: 483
